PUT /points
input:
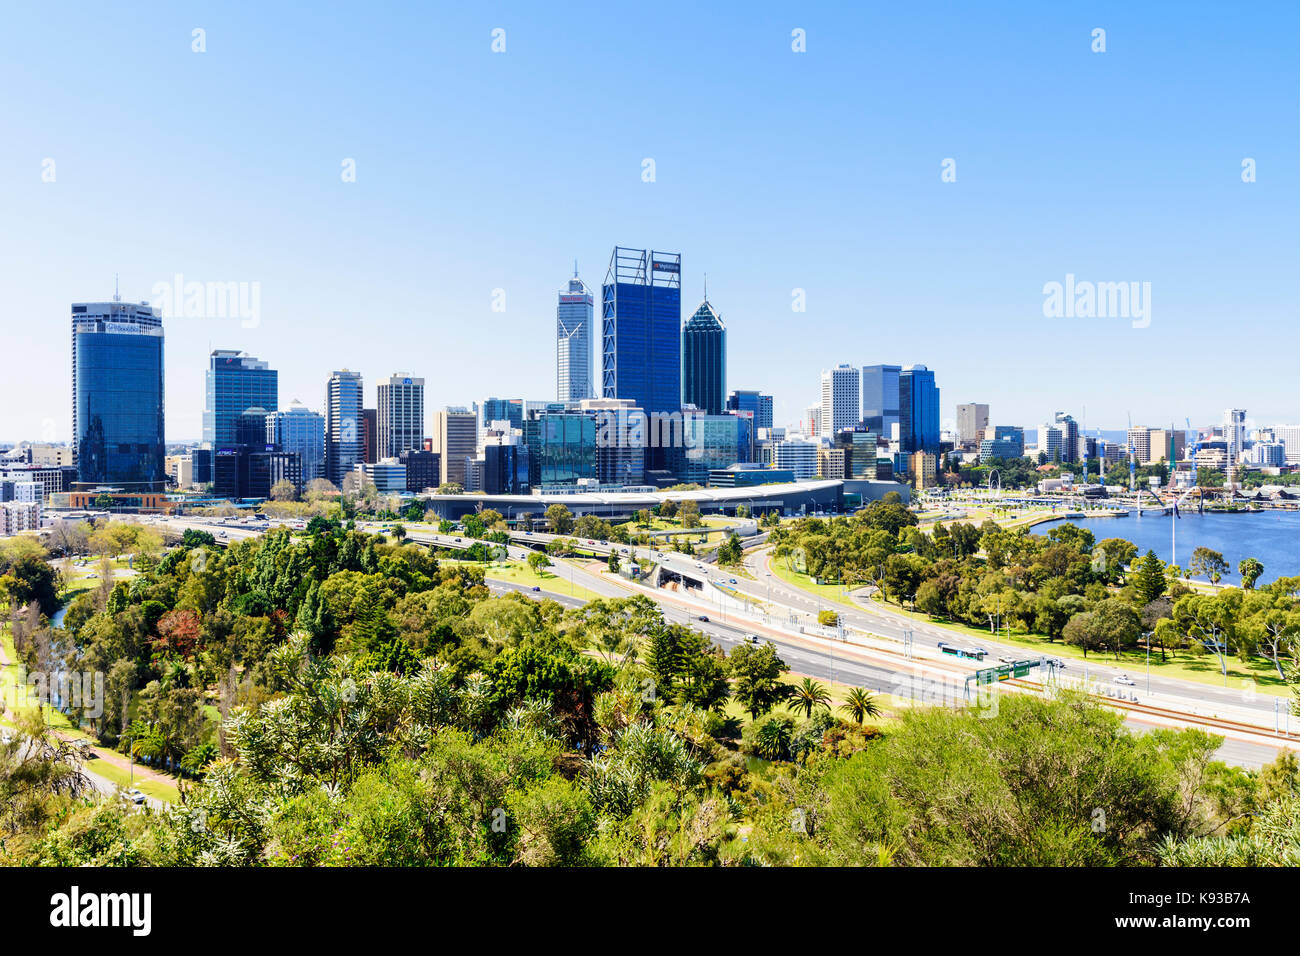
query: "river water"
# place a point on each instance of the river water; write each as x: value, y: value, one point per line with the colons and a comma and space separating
x: 1272, y: 537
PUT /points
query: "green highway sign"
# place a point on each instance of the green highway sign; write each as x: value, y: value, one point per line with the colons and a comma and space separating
x: 991, y: 675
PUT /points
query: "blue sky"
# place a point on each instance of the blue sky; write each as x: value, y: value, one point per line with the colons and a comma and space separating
x: 775, y: 170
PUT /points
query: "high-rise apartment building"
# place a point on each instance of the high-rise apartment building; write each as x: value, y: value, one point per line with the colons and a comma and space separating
x: 573, y: 321
x: 704, y: 360
x: 235, y: 383
x: 117, y: 395
x: 1069, y: 436
x: 400, y: 416
x: 455, y: 438
x: 841, y: 399
x: 344, y: 442
x: 1234, y: 434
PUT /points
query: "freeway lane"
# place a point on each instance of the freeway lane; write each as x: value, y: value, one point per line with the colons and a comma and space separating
x: 812, y: 656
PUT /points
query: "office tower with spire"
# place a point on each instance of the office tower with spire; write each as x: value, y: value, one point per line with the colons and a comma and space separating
x: 400, y: 416
x: 343, y: 438
x: 117, y: 395
x: 573, y: 321
x: 704, y: 359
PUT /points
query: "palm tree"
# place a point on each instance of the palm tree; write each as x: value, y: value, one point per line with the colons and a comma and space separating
x: 860, y: 705
x: 808, y: 696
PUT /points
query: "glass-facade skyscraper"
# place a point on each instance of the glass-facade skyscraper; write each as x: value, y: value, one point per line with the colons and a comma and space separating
x: 641, y: 326
x: 918, y: 410
x: 641, y: 334
x: 236, y: 382
x: 751, y: 400
x: 299, y: 430
x: 573, y: 320
x: 880, y: 408
x: 704, y: 360
x: 117, y: 395
x: 343, y: 438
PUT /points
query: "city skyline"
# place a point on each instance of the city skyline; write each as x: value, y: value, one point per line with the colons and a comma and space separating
x: 757, y: 178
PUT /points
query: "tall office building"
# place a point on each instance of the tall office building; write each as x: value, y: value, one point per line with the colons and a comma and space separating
x: 704, y: 360
x: 400, y: 415
x: 369, y: 435
x: 343, y: 425
x: 880, y: 398
x: 117, y: 395
x: 573, y: 321
x: 751, y: 400
x: 455, y: 438
x: 299, y: 430
x: 236, y: 382
x: 641, y: 329
x: 918, y: 410
x: 841, y: 401
x: 501, y: 410
x: 972, y: 422
x: 1069, y: 436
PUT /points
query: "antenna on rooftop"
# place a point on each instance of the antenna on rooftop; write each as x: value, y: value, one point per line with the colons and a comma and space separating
x: 117, y: 296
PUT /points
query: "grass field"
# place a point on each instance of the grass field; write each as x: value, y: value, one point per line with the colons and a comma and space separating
x: 517, y: 572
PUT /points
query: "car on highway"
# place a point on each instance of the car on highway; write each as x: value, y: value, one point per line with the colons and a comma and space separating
x: 704, y: 618
x: 731, y: 581
x: 1124, y: 679
x: 536, y: 588
x: 753, y: 638
x: 135, y: 796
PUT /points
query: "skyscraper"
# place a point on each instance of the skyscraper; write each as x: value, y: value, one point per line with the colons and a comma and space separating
x: 455, y: 438
x: 918, y: 410
x: 117, y: 395
x: 880, y: 398
x: 573, y: 320
x: 641, y: 328
x: 841, y: 401
x: 343, y: 438
x: 972, y: 422
x: 400, y: 415
x: 236, y: 382
x: 751, y: 400
x: 1234, y: 434
x: 704, y: 360
x: 299, y: 430
x: 1069, y: 436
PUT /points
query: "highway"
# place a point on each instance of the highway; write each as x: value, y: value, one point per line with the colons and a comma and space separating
x: 876, y: 664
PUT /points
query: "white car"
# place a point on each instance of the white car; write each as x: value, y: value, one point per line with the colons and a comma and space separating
x: 1125, y: 680
x: 135, y: 796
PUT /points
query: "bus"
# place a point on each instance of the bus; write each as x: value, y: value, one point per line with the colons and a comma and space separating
x: 974, y: 653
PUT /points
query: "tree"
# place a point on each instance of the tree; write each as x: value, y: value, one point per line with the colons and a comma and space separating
x: 730, y: 551
x: 538, y: 562
x: 774, y: 738
x: 613, y: 561
x: 560, y: 519
x: 450, y: 488
x: 283, y: 490
x: 860, y: 704
x: 757, y: 672
x: 808, y: 696
x: 689, y: 512
x: 1207, y: 562
x: 1250, y: 569
x: 1149, y: 578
